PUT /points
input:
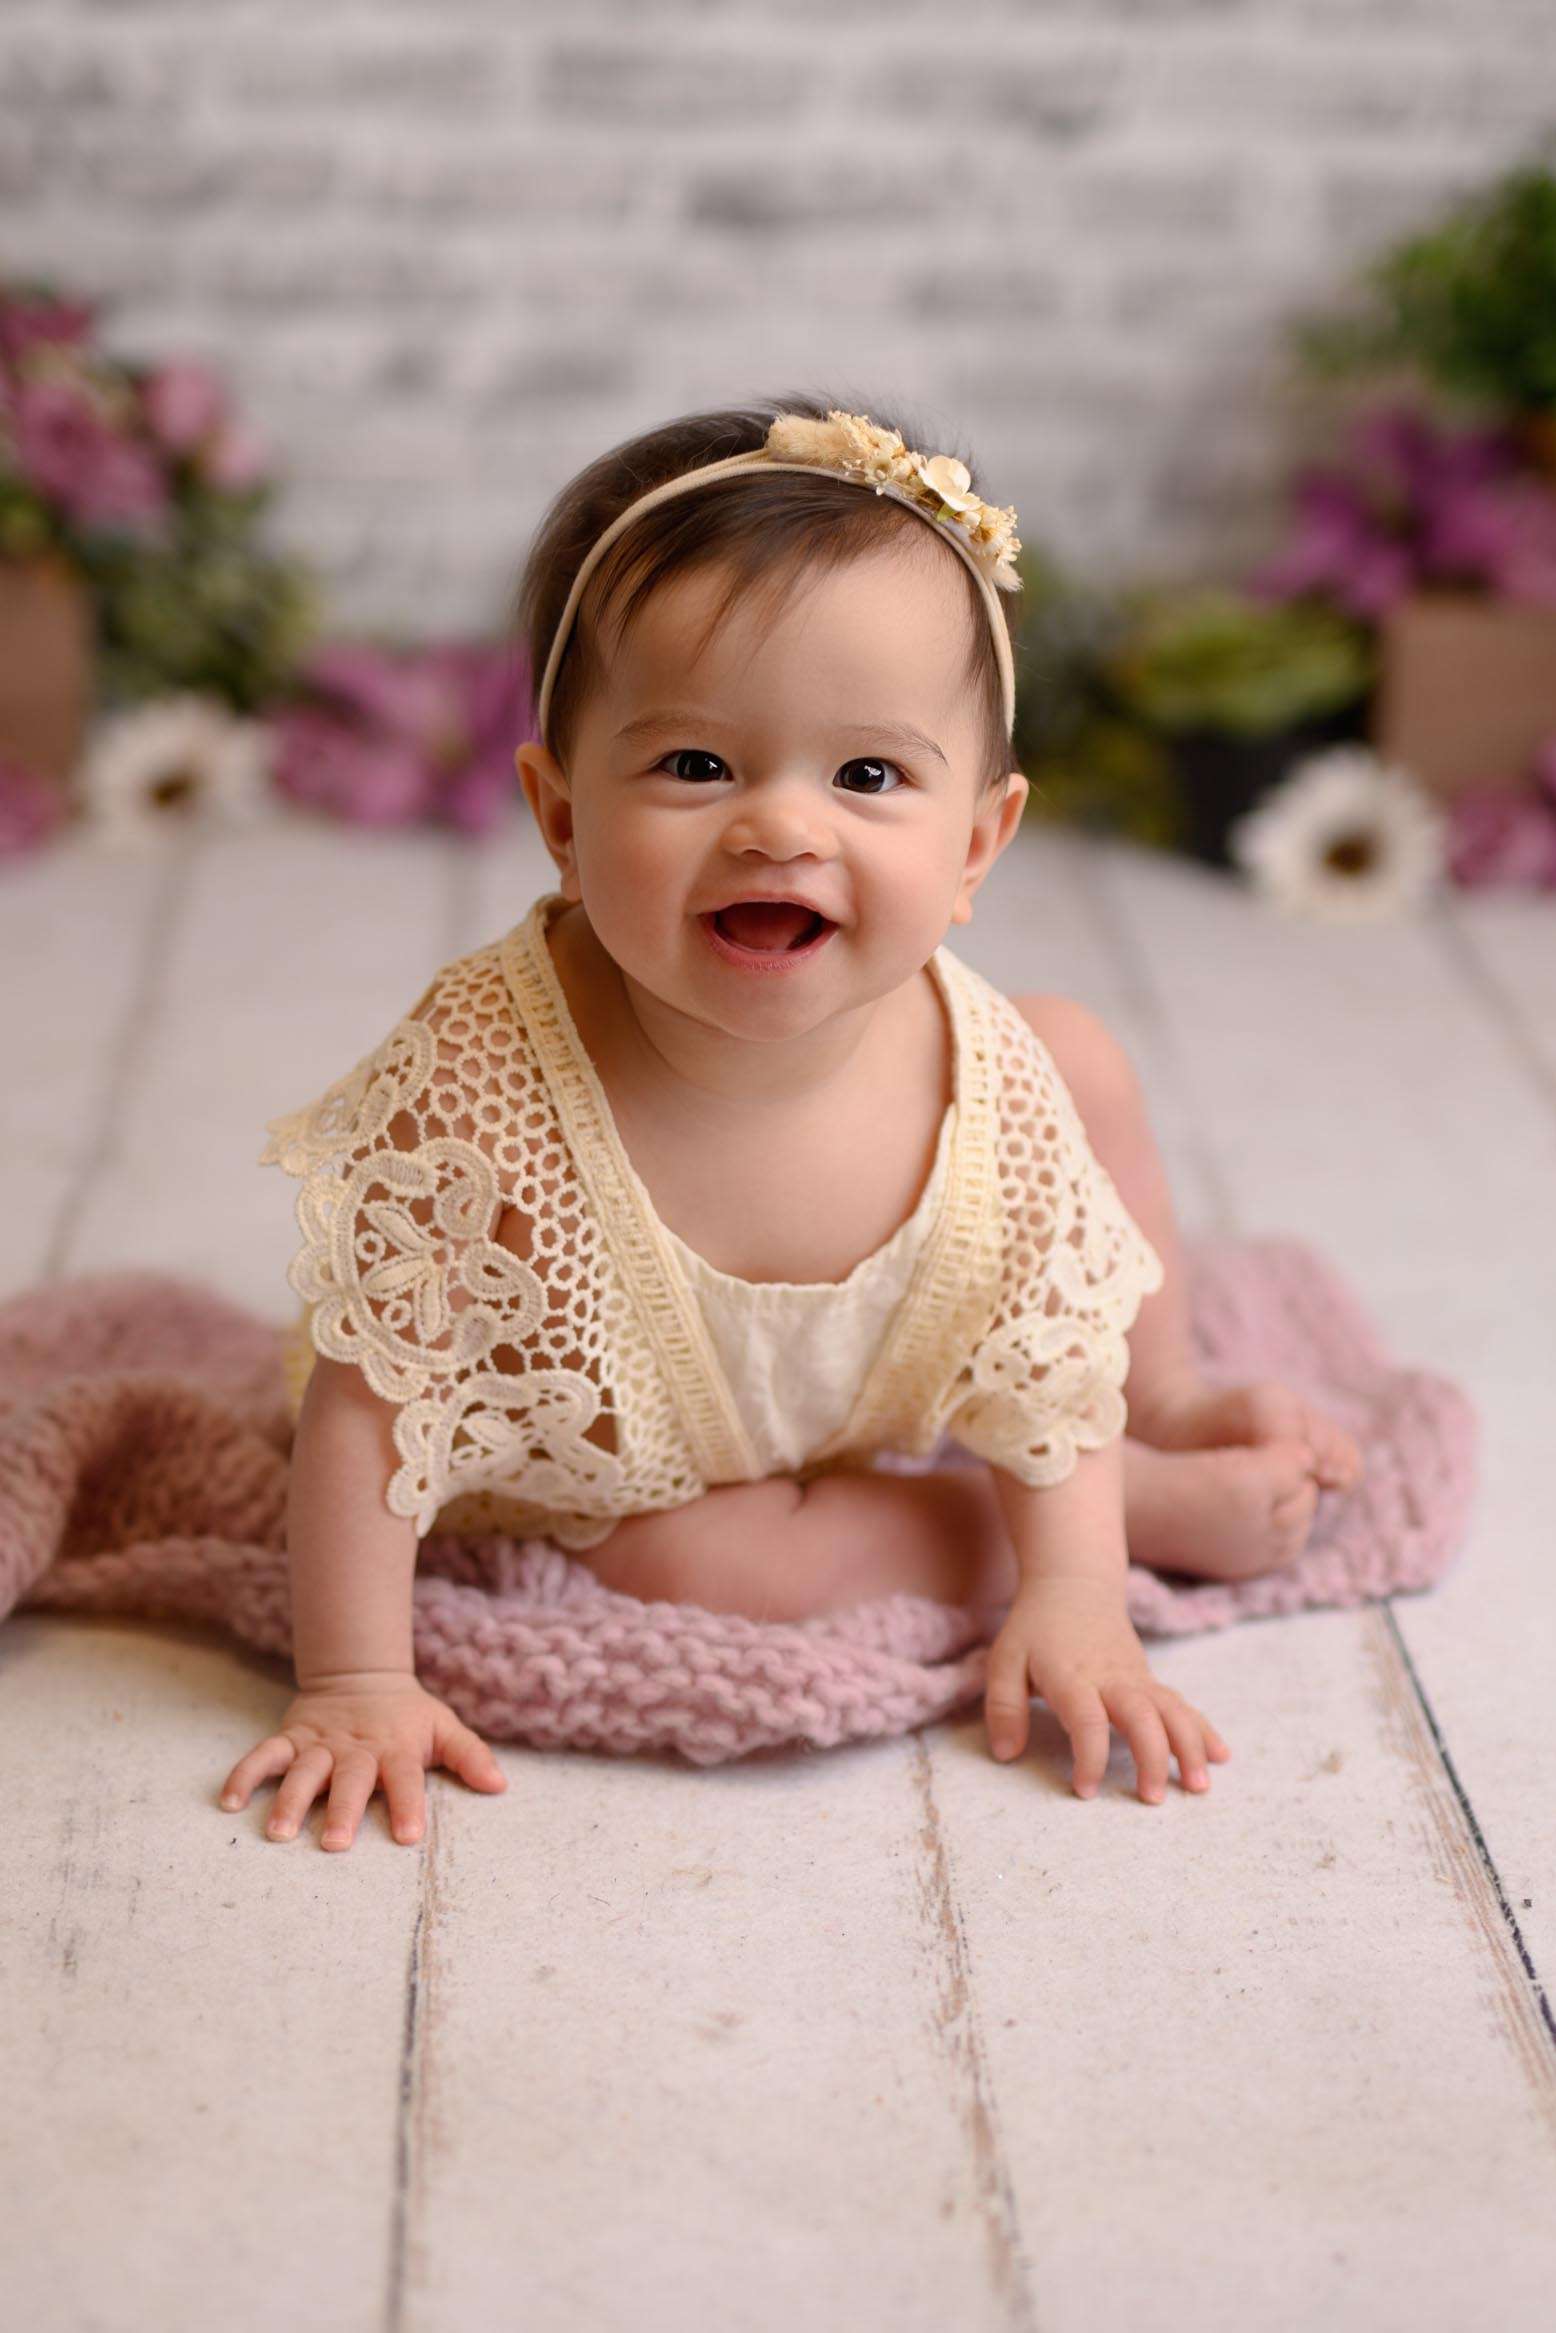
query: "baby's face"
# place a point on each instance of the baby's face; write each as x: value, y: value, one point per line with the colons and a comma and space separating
x: 829, y: 756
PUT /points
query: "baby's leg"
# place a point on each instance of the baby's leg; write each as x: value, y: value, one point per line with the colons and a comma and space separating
x: 782, y: 1550
x: 1276, y: 1435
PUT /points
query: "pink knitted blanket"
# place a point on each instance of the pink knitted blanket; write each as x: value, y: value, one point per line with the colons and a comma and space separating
x: 143, y: 1455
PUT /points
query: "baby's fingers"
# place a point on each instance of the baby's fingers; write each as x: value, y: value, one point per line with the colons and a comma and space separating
x: 1080, y: 1711
x: 1007, y: 1700
x: 1188, y: 1733
x: 307, y: 1775
x: 465, y: 1754
x: 1140, y: 1719
x: 405, y: 1787
x: 267, y: 1758
x: 356, y: 1778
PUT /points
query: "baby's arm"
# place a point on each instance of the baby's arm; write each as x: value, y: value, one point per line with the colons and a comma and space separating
x: 352, y: 1561
x: 1068, y: 1635
x: 359, y: 1712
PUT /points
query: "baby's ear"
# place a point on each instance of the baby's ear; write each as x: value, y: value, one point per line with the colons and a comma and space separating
x: 546, y: 791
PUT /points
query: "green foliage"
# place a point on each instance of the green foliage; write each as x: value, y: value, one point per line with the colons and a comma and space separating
x: 1213, y: 657
x: 1086, y: 765
x: 208, y: 610
x: 1471, y: 303
x: 1112, y: 778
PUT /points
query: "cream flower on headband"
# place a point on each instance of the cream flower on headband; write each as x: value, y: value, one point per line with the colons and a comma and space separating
x: 938, y: 482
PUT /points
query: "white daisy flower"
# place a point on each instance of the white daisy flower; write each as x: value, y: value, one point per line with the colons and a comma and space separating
x: 1344, y: 838
x: 150, y: 770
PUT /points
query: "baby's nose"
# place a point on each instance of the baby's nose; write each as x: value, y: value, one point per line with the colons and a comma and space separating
x: 783, y: 825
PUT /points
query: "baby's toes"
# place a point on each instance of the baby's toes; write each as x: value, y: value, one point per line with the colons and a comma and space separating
x: 1291, y: 1520
x: 1270, y: 1412
x: 1289, y: 1473
x: 1336, y: 1459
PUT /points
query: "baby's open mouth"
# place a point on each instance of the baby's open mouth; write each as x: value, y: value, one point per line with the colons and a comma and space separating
x: 769, y: 925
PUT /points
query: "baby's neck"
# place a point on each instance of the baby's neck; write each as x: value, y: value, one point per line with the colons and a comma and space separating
x: 702, y: 1071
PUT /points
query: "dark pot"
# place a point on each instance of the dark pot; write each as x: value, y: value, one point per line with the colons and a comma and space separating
x: 1220, y: 775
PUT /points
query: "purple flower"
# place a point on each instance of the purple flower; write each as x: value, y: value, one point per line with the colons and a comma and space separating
x: 30, y: 807
x: 75, y: 460
x: 1406, y: 458
x: 1502, y: 835
x: 1413, y: 504
x: 324, y: 762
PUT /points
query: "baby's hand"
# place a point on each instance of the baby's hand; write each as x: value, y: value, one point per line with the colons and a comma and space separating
x: 1073, y: 1641
x: 354, y: 1728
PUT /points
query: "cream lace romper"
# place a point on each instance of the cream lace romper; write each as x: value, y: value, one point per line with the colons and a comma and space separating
x: 797, y: 1352
x: 605, y: 1368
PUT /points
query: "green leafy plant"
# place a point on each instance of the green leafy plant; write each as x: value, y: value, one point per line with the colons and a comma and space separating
x: 1471, y: 303
x: 207, y: 609
x: 1086, y: 765
x: 1213, y: 657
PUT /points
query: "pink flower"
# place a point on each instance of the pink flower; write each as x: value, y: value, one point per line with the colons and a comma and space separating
x: 184, y: 403
x: 235, y: 459
x: 400, y: 691
x: 480, y: 782
x: 1544, y: 770
x: 1502, y: 835
x: 1526, y: 569
x: 30, y: 321
x: 30, y: 807
x: 454, y: 708
x: 366, y: 777
x: 74, y: 459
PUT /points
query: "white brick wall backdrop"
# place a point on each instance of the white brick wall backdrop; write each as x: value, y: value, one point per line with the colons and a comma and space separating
x: 449, y: 249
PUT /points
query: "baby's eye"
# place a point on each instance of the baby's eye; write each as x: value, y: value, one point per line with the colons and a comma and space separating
x: 869, y: 762
x: 875, y: 781
x: 688, y: 753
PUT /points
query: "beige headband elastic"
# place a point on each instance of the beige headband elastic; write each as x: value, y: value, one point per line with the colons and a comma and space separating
x: 738, y: 465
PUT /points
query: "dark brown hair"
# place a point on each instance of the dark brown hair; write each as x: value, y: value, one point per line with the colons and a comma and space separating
x: 769, y: 532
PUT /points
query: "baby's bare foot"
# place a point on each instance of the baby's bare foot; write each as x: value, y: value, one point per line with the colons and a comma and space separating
x: 1261, y: 1414
x: 1224, y: 1514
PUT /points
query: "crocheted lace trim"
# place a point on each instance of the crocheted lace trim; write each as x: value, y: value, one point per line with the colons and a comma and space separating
x: 1045, y: 1380
x: 666, y: 1304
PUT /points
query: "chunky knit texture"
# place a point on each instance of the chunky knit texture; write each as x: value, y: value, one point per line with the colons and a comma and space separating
x: 144, y: 1434
x: 477, y: 1241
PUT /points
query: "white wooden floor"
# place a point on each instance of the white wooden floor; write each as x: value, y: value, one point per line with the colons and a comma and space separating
x: 884, y: 2039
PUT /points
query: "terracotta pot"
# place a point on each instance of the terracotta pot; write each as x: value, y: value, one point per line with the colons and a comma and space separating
x: 46, y: 664
x: 1467, y: 689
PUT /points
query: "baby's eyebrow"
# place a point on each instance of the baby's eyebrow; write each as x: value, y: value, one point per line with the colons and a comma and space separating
x: 895, y: 732
x: 888, y: 732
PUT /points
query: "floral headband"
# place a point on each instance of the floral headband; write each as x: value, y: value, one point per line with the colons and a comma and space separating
x: 850, y: 446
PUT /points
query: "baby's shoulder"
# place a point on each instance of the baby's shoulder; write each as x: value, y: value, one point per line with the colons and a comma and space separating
x: 1047, y: 1034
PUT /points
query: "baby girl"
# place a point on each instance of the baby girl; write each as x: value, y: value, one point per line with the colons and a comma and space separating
x: 658, y: 1225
